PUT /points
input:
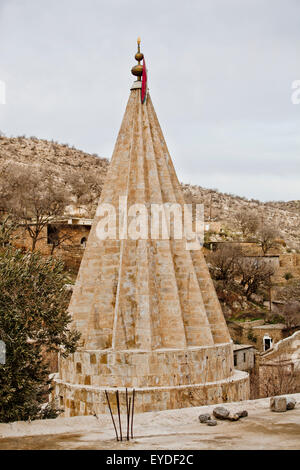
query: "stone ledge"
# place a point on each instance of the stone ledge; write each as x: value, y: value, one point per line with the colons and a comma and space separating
x: 78, y: 400
x: 155, y: 368
x: 238, y: 375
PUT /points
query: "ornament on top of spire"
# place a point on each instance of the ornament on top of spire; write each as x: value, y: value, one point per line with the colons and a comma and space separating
x: 137, y: 70
x: 140, y: 71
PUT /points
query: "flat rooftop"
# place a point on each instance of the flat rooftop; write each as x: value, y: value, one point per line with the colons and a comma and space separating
x: 172, y: 429
x: 238, y: 347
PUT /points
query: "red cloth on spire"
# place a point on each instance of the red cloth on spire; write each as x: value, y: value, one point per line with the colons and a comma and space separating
x: 144, y: 82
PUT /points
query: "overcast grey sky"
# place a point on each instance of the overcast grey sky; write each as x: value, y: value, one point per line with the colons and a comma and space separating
x: 220, y: 76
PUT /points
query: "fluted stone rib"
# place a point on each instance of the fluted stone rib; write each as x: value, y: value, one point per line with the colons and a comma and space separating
x: 212, y: 306
x: 144, y: 294
x: 196, y: 324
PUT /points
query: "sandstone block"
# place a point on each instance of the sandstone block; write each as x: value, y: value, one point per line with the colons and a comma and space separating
x: 278, y: 404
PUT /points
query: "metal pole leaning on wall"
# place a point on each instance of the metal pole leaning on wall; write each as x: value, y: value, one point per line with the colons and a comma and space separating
x: 112, y: 417
x: 119, y: 413
x: 129, y: 414
x: 132, y: 412
x: 128, y: 421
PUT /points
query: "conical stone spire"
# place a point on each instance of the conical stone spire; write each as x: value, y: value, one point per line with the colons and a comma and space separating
x: 146, y: 308
x: 144, y: 294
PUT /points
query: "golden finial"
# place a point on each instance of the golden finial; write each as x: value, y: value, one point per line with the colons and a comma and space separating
x: 137, y: 70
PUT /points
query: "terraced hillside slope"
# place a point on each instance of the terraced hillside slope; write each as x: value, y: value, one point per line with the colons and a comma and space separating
x: 83, y: 174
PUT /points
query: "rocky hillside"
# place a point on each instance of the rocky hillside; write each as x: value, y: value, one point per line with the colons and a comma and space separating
x: 224, y: 206
x: 82, y: 174
x: 80, y: 170
x: 59, y: 158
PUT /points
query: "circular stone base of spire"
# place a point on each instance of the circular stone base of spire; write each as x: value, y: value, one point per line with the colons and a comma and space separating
x: 167, y: 367
x: 82, y: 400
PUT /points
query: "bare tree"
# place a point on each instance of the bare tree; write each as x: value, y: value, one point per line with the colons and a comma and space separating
x: 57, y: 237
x: 35, y: 198
x: 86, y: 188
x: 223, y: 262
x: 277, y: 377
x: 247, y: 221
x: 229, y: 265
x: 254, y: 273
x: 266, y: 237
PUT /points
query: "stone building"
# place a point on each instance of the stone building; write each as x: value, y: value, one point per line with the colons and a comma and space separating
x: 279, y: 368
x: 275, y: 369
x: 257, y: 333
x: 286, y: 265
x: 289, y: 267
x: 268, y: 335
x: 147, y: 309
x: 244, y: 357
x: 65, y: 238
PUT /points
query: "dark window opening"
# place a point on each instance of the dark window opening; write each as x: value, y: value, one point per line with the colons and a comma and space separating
x: 235, y: 360
x: 83, y: 242
x: 268, y: 343
x: 52, y: 234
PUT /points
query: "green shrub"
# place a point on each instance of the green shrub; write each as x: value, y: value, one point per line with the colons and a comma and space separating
x: 33, y: 322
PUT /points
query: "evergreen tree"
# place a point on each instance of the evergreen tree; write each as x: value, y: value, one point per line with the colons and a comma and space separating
x: 33, y: 321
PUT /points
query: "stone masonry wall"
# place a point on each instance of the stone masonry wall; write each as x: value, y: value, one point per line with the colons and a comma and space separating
x: 144, y: 368
x: 70, y: 251
x: 78, y: 400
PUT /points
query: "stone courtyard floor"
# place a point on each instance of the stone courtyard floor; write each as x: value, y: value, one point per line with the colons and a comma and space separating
x: 173, y: 429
